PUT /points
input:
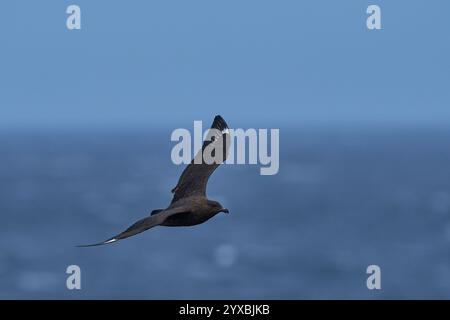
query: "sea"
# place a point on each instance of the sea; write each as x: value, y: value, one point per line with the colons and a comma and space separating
x: 342, y: 201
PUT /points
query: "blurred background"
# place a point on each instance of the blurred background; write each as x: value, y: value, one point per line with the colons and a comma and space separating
x: 364, y: 118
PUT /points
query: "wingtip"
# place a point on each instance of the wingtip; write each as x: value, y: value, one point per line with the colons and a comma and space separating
x: 97, y: 244
x: 218, y: 118
x: 219, y: 123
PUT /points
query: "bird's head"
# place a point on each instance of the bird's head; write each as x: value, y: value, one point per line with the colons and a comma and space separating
x: 217, y: 207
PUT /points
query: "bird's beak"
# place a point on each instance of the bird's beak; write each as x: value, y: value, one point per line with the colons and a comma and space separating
x: 225, y: 211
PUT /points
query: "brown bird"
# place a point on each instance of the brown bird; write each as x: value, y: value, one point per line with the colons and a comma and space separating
x: 189, y: 205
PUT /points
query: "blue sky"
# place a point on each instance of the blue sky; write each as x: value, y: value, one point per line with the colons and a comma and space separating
x: 153, y: 63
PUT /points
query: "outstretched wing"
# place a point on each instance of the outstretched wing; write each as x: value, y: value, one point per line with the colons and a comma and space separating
x: 194, y: 178
x: 142, y: 225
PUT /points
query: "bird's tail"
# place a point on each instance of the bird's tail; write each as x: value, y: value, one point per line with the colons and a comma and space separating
x: 156, y: 211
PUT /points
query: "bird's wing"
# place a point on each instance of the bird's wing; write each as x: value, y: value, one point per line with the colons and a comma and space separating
x: 142, y: 225
x: 195, y: 176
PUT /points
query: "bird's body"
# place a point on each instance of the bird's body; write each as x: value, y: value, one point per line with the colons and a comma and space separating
x: 189, y: 205
x: 201, y: 210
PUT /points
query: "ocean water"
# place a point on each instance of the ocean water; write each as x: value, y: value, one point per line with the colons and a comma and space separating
x: 342, y: 200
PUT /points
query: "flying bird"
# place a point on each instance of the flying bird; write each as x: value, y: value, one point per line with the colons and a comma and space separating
x: 190, y: 205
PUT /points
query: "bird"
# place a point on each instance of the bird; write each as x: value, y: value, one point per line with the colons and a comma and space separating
x: 190, y: 205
